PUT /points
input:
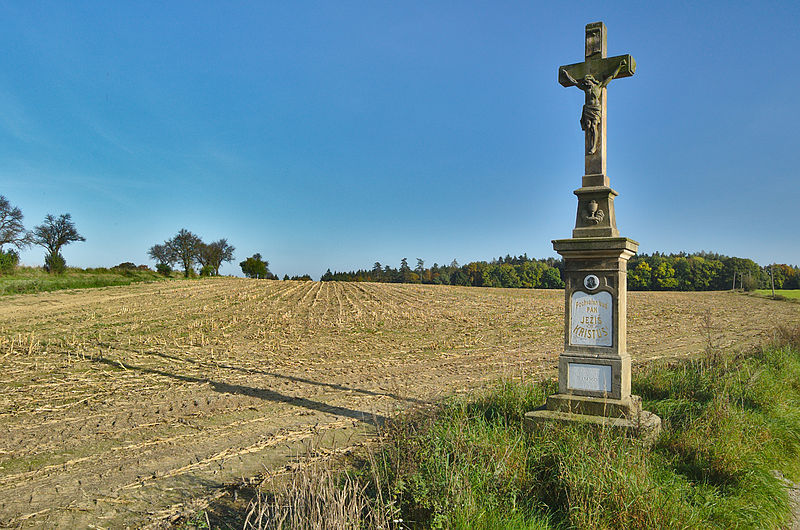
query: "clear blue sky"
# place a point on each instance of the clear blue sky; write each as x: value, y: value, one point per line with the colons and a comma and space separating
x: 337, y: 134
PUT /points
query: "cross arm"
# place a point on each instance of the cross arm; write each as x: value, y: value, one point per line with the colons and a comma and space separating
x: 599, y: 68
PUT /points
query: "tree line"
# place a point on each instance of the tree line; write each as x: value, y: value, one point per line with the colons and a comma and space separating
x: 185, y: 248
x: 706, y: 271
x: 188, y: 250
x: 508, y: 271
x: 701, y: 271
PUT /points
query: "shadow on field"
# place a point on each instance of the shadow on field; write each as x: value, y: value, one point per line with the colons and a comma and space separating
x: 290, y: 378
x: 375, y: 420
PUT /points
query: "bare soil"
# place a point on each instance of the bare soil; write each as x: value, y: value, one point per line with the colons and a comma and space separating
x: 121, y: 406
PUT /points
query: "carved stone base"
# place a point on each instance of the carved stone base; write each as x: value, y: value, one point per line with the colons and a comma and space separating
x: 629, y: 407
x: 645, y: 427
x: 625, y: 416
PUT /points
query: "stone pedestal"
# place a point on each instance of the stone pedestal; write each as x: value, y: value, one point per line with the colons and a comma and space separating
x: 594, y: 371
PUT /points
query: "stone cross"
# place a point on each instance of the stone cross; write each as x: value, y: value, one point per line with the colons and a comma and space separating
x: 592, y: 76
x: 594, y: 370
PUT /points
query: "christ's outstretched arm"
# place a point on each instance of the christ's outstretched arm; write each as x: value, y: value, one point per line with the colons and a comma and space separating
x: 608, y: 79
x: 569, y: 77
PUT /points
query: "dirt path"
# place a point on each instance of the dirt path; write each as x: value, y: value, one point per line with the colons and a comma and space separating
x: 119, y: 404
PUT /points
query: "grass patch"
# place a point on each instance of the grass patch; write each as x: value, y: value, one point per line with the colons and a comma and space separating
x: 780, y: 294
x: 730, y: 422
x: 36, y: 279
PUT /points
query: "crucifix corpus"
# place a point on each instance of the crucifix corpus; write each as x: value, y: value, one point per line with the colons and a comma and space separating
x: 592, y: 76
x: 594, y: 370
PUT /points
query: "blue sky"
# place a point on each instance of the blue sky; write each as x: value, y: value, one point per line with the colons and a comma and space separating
x: 337, y: 134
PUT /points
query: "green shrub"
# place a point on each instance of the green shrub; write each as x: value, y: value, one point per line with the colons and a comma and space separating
x: 55, y: 264
x: 164, y: 268
x: 749, y: 283
x: 207, y: 270
x: 9, y: 260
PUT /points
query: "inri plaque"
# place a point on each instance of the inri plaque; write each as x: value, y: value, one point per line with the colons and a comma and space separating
x: 590, y: 323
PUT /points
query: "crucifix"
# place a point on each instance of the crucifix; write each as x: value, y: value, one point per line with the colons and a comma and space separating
x: 594, y: 370
x: 593, y: 76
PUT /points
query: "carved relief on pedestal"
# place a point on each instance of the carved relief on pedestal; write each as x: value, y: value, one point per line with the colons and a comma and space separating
x: 593, y: 214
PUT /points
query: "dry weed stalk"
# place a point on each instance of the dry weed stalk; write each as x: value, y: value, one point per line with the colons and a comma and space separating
x: 318, y: 496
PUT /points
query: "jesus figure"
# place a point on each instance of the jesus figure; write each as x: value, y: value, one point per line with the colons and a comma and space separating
x: 592, y: 110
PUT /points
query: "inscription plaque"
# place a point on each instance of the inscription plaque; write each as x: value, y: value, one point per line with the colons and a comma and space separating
x: 593, y: 377
x: 590, y: 322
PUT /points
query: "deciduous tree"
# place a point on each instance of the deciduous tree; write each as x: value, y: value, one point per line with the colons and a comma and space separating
x: 53, y: 234
x: 186, y: 247
x: 255, y: 267
x: 162, y: 255
x: 214, y: 254
x: 12, y: 231
x: 640, y: 276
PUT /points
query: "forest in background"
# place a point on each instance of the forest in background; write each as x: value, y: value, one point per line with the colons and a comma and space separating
x: 701, y: 271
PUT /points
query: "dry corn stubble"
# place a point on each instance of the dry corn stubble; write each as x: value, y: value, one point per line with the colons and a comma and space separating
x: 123, y: 401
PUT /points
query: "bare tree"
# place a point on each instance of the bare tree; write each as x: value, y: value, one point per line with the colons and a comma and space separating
x: 53, y: 234
x: 214, y: 254
x: 162, y: 254
x: 12, y: 231
x: 186, y: 248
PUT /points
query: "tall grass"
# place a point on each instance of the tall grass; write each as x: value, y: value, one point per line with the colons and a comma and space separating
x: 36, y: 279
x: 731, y: 426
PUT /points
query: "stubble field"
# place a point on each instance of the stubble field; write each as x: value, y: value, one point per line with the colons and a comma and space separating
x: 120, y: 405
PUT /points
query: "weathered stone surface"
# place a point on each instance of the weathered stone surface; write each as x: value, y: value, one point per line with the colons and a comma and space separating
x: 578, y: 247
x: 646, y: 426
x: 596, y: 216
x: 629, y: 407
x: 592, y: 76
x: 607, y: 259
x: 619, y: 364
x: 599, y: 68
x: 602, y: 341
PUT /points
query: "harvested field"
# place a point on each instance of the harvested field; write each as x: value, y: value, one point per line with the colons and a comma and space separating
x: 119, y: 405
